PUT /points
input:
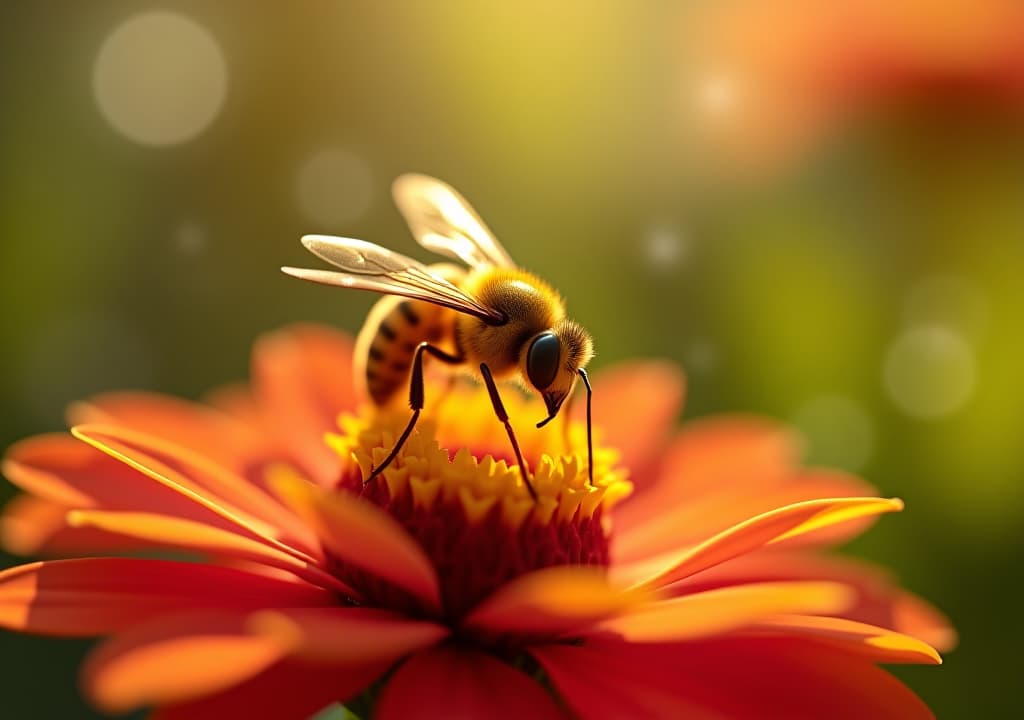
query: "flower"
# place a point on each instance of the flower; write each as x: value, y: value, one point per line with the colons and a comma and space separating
x: 766, y: 97
x: 443, y: 588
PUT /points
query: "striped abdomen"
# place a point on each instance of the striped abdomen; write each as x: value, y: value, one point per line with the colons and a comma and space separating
x: 388, y: 340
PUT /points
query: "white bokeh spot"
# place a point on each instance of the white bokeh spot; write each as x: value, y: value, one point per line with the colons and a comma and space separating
x: 160, y: 78
x: 334, y: 187
x: 665, y: 248
x: 930, y: 371
x: 700, y: 356
x: 717, y: 94
x: 189, y: 238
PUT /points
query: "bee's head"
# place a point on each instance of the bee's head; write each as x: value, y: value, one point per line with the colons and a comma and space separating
x: 553, y: 360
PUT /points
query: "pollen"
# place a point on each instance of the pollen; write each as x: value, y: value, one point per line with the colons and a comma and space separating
x: 457, y: 491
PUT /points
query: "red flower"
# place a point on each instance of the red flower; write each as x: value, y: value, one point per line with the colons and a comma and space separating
x: 443, y: 588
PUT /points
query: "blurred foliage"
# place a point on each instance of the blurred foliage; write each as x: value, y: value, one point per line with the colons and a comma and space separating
x: 778, y: 272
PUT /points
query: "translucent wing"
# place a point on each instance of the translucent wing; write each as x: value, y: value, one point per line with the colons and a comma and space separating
x: 442, y: 221
x: 370, y: 267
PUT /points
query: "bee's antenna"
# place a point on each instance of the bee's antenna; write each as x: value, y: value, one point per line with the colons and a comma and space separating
x: 590, y: 434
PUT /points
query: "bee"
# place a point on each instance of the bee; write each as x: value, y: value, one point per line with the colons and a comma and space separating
x: 492, y: 317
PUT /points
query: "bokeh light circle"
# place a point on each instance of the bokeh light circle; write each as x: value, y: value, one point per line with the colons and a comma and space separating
x: 717, y: 94
x: 160, y: 78
x: 189, y: 238
x: 665, y: 248
x: 334, y: 187
x: 839, y: 430
x: 930, y: 371
x: 700, y: 356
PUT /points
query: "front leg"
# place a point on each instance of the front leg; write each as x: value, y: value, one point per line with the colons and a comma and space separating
x: 416, y: 398
x: 499, y: 410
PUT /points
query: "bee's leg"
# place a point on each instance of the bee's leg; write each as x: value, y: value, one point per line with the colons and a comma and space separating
x: 590, y: 425
x: 415, y: 399
x: 499, y: 410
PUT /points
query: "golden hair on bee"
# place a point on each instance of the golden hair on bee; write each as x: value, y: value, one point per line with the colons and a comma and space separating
x: 493, y: 318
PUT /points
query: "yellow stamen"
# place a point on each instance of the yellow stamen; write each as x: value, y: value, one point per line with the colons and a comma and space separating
x: 472, y: 477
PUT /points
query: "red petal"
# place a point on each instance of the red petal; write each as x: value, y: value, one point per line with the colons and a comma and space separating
x: 879, y: 601
x: 239, y: 402
x: 177, y: 534
x: 216, y: 488
x: 688, y: 522
x: 364, y: 535
x: 31, y: 526
x: 766, y: 529
x: 461, y: 683
x: 874, y: 643
x: 303, y: 379
x: 288, y: 691
x: 734, y: 678
x: 714, y: 612
x: 618, y: 680
x: 72, y: 473
x: 175, y: 659
x: 347, y: 635
x: 94, y: 596
x: 554, y: 600
x: 198, y: 427
x: 743, y: 454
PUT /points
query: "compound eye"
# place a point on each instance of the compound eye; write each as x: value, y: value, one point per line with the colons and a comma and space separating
x: 542, y: 360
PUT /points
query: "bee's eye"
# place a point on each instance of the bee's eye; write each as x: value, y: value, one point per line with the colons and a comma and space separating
x: 542, y: 360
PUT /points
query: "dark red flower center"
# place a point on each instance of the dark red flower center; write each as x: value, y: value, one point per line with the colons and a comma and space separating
x: 472, y: 514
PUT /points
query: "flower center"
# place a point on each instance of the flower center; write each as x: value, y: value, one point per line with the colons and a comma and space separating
x: 453, y: 488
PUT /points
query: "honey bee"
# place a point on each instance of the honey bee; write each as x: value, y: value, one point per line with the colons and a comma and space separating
x: 493, y: 317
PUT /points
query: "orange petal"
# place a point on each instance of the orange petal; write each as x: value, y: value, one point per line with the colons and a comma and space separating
x: 364, y: 535
x: 687, y: 523
x: 740, y: 678
x: 731, y: 451
x: 94, y: 596
x: 879, y: 601
x: 72, y: 473
x: 875, y: 643
x: 303, y: 378
x: 178, y: 534
x: 653, y: 391
x: 176, y: 659
x: 30, y: 526
x: 914, y: 616
x: 238, y: 402
x: 202, y: 429
x: 346, y: 635
x: 718, y: 611
x: 554, y: 600
x: 286, y: 691
x: 768, y: 528
x: 462, y: 683
x: 217, y: 486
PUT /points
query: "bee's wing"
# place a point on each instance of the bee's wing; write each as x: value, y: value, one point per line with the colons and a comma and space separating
x: 370, y: 267
x: 442, y: 221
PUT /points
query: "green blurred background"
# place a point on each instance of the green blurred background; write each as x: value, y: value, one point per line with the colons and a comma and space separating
x: 819, y: 211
